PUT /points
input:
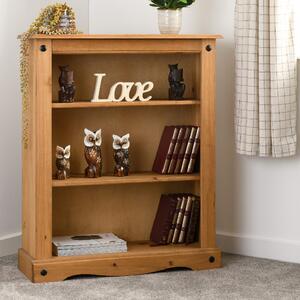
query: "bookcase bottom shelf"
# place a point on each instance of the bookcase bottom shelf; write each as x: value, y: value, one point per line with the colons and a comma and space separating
x: 141, y: 258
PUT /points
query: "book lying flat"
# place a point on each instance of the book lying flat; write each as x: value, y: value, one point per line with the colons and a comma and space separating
x: 88, y: 244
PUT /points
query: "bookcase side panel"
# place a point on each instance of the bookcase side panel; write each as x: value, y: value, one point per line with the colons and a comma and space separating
x: 207, y: 148
x: 29, y: 160
x: 43, y: 116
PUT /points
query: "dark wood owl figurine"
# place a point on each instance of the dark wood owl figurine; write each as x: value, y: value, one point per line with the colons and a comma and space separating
x: 63, y: 162
x: 121, y: 154
x: 92, y: 153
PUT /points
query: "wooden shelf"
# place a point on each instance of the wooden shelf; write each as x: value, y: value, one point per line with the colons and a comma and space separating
x: 138, y: 248
x: 128, y: 36
x: 145, y: 177
x: 88, y: 104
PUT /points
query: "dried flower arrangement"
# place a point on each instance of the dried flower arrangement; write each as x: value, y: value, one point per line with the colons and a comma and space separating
x: 54, y: 19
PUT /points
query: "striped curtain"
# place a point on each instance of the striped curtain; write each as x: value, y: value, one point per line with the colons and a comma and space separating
x: 265, y: 110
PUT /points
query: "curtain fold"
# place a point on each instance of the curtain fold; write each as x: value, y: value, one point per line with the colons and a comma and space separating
x: 265, y: 109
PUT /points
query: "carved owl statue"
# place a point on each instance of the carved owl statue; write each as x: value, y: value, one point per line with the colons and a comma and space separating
x: 92, y: 153
x: 121, y: 154
x: 63, y: 162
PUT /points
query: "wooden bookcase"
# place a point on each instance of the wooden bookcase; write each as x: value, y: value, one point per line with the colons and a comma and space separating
x: 127, y: 205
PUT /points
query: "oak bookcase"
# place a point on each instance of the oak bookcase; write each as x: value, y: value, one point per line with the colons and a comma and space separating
x: 125, y: 206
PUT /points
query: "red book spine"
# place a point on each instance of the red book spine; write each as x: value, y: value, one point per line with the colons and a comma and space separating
x: 195, y: 151
x: 163, y: 148
x: 170, y: 151
x: 163, y: 219
x: 188, y: 151
x: 185, y: 220
x: 176, y: 150
x: 182, y: 150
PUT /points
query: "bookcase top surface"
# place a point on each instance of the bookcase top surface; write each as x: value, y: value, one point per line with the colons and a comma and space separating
x: 129, y: 36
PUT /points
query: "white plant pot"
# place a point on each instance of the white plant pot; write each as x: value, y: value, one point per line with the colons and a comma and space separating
x: 169, y: 21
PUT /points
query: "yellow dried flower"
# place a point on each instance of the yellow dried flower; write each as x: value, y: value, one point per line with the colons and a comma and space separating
x: 48, y: 22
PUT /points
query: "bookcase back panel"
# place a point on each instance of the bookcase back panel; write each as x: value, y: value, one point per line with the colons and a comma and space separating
x: 125, y: 67
x: 127, y: 210
x: 145, y: 126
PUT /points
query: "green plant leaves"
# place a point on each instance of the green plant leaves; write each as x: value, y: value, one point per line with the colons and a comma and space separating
x: 171, y: 4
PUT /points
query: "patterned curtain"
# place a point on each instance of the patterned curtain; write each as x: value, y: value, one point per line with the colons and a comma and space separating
x: 265, y: 110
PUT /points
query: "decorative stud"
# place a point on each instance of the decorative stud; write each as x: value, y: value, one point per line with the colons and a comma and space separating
x: 44, y: 272
x: 208, y: 48
x: 43, y: 48
x: 211, y: 259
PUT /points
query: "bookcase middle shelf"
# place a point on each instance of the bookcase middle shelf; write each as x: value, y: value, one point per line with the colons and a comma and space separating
x: 142, y: 177
x: 88, y: 104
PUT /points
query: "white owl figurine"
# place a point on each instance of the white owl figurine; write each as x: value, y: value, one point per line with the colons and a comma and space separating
x: 92, y: 153
x: 121, y: 154
x: 63, y: 162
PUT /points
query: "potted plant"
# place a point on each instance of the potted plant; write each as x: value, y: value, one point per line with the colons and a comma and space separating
x: 170, y: 14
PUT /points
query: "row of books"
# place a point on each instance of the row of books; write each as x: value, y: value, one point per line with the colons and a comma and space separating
x: 178, y: 150
x: 88, y: 244
x: 177, y: 219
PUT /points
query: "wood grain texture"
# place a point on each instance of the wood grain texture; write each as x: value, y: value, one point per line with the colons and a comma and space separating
x: 29, y: 163
x: 43, y: 133
x: 128, y: 210
x: 88, y: 104
x: 207, y: 147
x: 146, y: 177
x: 37, y: 158
x: 128, y: 36
x: 140, y: 259
x: 125, y: 206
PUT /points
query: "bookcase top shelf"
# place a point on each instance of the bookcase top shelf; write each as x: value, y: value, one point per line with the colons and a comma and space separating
x: 88, y: 104
x: 128, y: 36
x: 145, y: 177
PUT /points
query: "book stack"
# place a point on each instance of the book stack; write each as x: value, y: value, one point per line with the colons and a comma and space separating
x: 177, y: 219
x: 178, y: 150
x: 88, y: 244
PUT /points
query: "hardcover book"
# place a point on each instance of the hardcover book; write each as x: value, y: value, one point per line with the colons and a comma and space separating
x: 163, y: 148
x: 163, y: 219
x: 171, y: 232
x: 182, y: 149
x: 179, y: 220
x: 188, y: 151
x: 170, y: 151
x: 192, y: 234
x: 176, y: 150
x: 195, y: 151
x: 186, y: 218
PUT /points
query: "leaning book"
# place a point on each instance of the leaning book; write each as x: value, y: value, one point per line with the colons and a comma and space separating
x: 88, y: 244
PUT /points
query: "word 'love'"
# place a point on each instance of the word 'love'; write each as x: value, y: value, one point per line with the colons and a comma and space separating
x: 141, y: 89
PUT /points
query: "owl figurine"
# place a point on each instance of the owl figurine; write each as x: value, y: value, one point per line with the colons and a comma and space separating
x: 121, y: 154
x: 63, y: 162
x: 92, y: 153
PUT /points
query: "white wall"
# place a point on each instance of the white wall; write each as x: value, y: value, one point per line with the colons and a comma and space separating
x: 258, y: 200
x: 15, y: 17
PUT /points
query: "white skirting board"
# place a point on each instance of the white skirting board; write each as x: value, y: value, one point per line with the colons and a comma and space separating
x: 9, y: 244
x: 276, y: 249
